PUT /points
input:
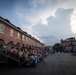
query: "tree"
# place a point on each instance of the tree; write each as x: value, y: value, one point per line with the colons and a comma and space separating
x: 57, y: 47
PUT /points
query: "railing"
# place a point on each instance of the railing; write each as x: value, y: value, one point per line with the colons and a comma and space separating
x: 3, y: 56
x: 8, y: 55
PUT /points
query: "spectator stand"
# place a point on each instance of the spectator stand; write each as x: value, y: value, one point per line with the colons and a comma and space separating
x: 3, y: 56
x: 13, y: 55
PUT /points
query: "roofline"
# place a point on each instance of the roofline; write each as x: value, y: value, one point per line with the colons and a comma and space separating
x: 23, y: 32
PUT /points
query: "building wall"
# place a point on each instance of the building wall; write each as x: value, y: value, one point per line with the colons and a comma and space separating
x: 6, y: 35
x: 67, y: 45
x: 7, y: 38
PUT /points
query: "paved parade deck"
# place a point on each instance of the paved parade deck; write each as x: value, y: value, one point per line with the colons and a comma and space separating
x: 55, y: 64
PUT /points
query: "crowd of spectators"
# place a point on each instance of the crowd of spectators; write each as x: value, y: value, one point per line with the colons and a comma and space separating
x: 32, y: 55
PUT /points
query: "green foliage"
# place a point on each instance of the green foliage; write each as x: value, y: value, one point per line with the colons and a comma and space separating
x: 57, y: 47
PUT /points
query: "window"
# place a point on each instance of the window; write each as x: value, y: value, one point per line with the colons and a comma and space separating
x: 22, y: 37
x: 2, y: 28
x: 18, y: 36
x: 11, y: 32
x: 29, y: 40
x: 26, y: 39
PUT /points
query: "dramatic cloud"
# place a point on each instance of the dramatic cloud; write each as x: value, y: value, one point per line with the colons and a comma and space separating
x: 58, y: 26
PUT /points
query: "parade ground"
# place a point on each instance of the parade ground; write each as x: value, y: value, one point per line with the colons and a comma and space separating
x: 54, y: 64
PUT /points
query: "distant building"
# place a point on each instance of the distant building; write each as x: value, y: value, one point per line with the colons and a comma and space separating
x: 9, y: 33
x: 69, y: 44
x: 50, y: 48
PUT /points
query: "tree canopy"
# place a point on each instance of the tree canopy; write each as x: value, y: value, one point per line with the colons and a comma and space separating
x: 57, y: 47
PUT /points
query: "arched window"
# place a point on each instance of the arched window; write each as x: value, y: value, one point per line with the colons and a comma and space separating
x: 11, y: 43
x: 2, y: 42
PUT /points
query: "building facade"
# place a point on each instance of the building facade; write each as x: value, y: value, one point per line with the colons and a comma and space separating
x: 9, y: 33
x: 69, y: 44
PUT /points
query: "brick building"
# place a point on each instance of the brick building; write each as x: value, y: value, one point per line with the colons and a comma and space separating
x: 9, y: 33
x: 69, y: 44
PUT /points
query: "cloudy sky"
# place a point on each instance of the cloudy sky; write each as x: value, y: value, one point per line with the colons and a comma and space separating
x: 47, y: 20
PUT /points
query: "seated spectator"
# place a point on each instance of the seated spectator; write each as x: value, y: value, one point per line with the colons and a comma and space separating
x: 8, y: 48
x: 21, y: 53
x: 13, y: 50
